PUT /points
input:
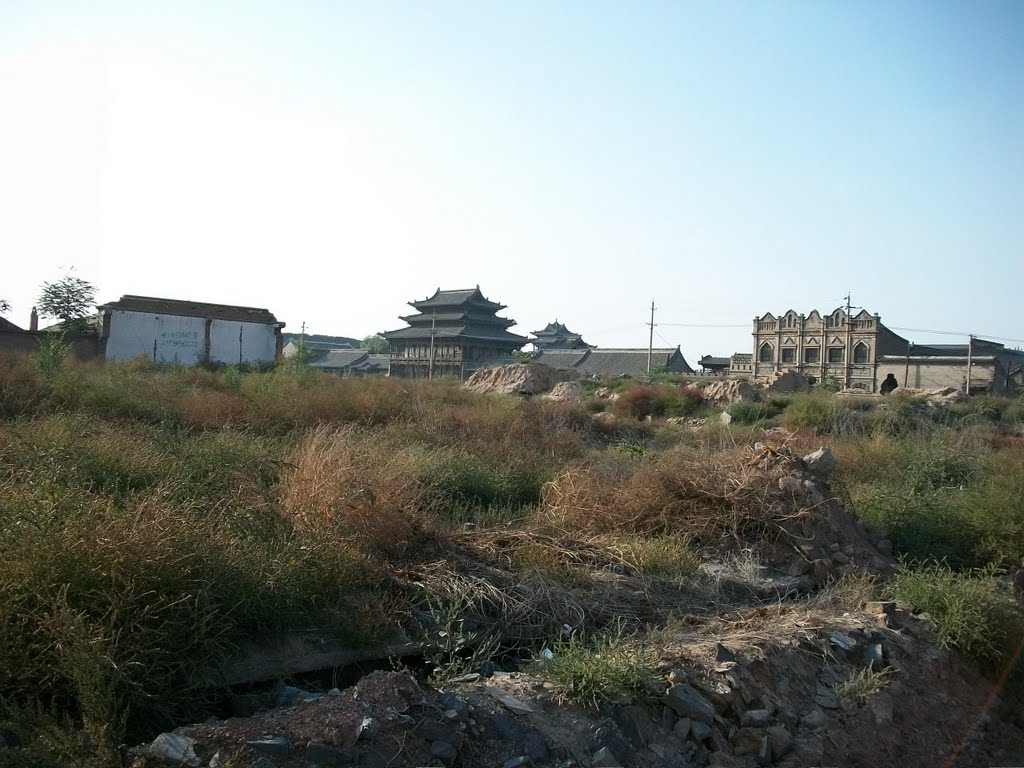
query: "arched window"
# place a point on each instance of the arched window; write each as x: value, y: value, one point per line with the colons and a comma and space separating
x: 767, y: 354
x: 860, y: 353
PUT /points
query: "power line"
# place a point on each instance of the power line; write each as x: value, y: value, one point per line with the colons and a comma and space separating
x: 890, y: 327
x: 706, y: 325
x: 955, y: 333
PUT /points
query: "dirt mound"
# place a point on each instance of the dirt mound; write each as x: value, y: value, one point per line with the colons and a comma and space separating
x: 787, y: 381
x: 730, y: 391
x: 566, y: 392
x: 514, y: 379
x: 943, y: 396
x: 830, y: 681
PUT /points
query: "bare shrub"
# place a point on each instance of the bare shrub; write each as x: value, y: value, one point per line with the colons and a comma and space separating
x: 344, y: 485
x: 732, y: 493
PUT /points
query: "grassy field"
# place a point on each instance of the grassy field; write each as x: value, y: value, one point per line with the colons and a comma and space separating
x: 153, y: 519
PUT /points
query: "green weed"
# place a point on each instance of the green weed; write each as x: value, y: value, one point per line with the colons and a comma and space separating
x: 973, y: 611
x: 611, y: 669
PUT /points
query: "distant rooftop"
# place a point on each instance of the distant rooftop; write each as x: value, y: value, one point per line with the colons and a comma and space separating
x: 157, y: 306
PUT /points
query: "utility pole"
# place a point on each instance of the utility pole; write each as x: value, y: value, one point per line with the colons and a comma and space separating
x: 650, y: 341
x: 970, y: 359
x: 906, y: 371
x: 848, y: 356
x: 433, y: 326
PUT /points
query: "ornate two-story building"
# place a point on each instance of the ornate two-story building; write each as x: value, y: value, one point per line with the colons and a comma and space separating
x: 452, y: 335
x: 835, y: 346
x: 857, y: 351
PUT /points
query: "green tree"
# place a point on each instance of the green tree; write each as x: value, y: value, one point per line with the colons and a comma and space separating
x: 5, y: 305
x: 376, y: 344
x: 70, y: 300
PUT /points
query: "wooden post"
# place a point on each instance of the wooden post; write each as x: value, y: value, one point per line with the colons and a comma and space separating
x: 906, y: 371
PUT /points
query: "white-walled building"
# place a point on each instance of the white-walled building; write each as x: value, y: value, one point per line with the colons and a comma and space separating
x: 189, y: 332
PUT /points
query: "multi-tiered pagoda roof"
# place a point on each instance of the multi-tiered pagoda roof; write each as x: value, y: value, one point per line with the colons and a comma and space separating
x: 465, y: 314
x: 556, y: 336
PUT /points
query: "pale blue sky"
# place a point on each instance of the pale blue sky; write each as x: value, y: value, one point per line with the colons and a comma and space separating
x: 332, y: 161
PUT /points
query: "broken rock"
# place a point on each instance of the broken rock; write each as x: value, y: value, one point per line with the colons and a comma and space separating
x: 174, y: 749
x: 687, y: 701
x: 821, y: 462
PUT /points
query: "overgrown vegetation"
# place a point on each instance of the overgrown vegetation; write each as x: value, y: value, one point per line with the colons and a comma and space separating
x: 155, y: 519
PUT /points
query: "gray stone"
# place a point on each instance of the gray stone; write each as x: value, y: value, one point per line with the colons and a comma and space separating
x: 687, y: 701
x: 608, y: 735
x: 821, y: 571
x: 751, y: 741
x: 536, y: 747
x: 444, y: 751
x: 516, y: 762
x: 840, y: 558
x: 756, y: 718
x: 434, y: 731
x: 506, y: 726
x: 635, y: 724
x: 874, y: 655
x: 821, y: 462
x: 885, y: 547
x: 826, y: 699
x: 700, y: 731
x: 173, y: 748
x: 323, y: 755
x: 814, y: 719
x: 722, y: 653
x: 799, y: 567
x: 262, y: 762
x: 275, y: 747
x: 682, y: 728
x: 780, y: 740
x: 510, y: 701
x: 604, y: 758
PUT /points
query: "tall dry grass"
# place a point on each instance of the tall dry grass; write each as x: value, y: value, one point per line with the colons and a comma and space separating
x: 681, y: 492
x: 344, y: 485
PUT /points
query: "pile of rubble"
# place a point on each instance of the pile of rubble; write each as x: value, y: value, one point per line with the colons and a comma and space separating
x: 730, y: 391
x: 794, y: 700
x: 515, y: 379
x: 934, y: 397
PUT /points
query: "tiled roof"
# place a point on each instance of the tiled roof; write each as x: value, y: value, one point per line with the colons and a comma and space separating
x: 483, y: 333
x: 455, y: 298
x: 7, y: 325
x: 155, y: 306
x: 615, y: 362
x: 322, y: 341
x: 562, y: 359
x: 708, y: 361
x: 339, y: 359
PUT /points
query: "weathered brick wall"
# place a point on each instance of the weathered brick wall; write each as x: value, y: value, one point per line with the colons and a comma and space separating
x: 88, y: 347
